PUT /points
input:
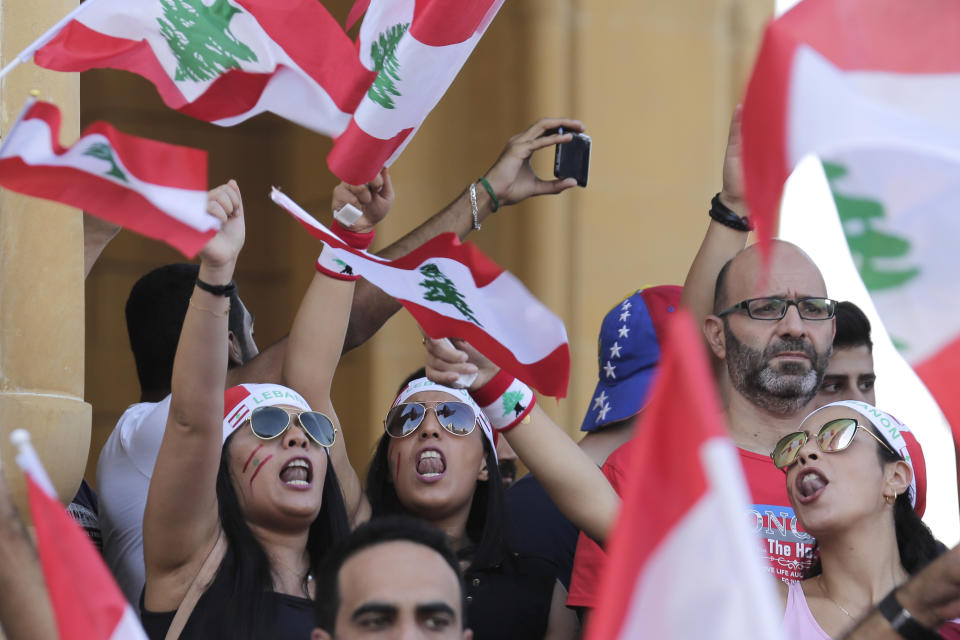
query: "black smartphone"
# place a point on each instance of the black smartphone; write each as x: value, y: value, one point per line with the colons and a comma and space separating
x: 572, y: 159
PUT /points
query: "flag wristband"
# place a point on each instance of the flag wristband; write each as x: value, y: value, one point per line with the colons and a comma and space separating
x: 329, y: 265
x: 727, y: 217
x: 901, y: 620
x: 356, y: 240
x: 505, y: 401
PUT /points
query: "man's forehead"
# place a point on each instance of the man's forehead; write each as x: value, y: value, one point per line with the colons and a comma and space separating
x: 398, y: 572
x: 791, y: 274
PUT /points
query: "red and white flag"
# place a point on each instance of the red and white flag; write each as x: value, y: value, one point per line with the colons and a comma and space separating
x: 682, y: 559
x: 153, y: 188
x: 87, y: 603
x: 222, y: 61
x: 453, y: 289
x: 416, y: 48
x: 871, y: 87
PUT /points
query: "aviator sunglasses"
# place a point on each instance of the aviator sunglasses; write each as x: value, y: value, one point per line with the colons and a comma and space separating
x: 835, y: 435
x: 269, y: 422
x: 457, y: 418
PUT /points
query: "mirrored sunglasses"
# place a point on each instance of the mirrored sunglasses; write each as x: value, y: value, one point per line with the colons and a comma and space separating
x: 835, y: 435
x: 457, y: 418
x: 268, y: 423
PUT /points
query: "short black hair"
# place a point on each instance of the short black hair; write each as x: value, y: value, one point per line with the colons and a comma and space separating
x: 370, y: 534
x: 155, y: 311
x: 853, y: 327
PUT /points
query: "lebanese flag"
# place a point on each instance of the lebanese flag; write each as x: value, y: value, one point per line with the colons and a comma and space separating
x: 682, y: 557
x: 150, y: 187
x: 871, y: 86
x: 222, y: 61
x: 86, y: 601
x: 453, y: 289
x: 416, y: 48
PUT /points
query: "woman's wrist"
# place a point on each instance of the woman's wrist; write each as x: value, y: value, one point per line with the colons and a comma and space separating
x: 217, y: 274
x: 505, y: 400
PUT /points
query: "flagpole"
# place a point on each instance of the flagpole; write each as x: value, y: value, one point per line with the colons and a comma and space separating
x: 29, y: 461
x: 27, y: 53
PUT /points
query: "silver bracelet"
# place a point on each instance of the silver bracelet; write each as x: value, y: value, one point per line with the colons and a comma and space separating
x: 473, y: 206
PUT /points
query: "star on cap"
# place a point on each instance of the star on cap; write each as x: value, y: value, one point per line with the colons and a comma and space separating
x: 603, y: 412
x: 626, y: 304
x: 615, y: 350
x: 624, y: 315
x: 608, y: 369
x: 600, y: 400
x: 623, y: 332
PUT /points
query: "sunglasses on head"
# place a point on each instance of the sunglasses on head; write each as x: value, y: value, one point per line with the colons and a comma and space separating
x: 268, y: 423
x: 835, y: 435
x: 456, y: 417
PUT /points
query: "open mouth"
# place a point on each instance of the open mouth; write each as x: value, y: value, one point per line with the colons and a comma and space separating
x: 431, y: 464
x: 810, y: 484
x: 297, y: 473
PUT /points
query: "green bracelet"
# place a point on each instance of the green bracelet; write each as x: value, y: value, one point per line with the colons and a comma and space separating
x: 493, y: 196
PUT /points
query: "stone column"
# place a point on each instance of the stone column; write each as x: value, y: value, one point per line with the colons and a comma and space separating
x: 41, y: 279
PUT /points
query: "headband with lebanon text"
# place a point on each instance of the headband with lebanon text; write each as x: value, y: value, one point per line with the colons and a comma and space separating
x: 425, y: 384
x: 900, y: 439
x: 240, y: 401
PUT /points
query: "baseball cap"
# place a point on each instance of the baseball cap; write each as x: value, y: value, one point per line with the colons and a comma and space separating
x: 629, y: 352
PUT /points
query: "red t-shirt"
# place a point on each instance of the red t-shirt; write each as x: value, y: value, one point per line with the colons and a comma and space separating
x: 780, y: 541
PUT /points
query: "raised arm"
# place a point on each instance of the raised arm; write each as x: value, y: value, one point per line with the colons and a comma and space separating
x: 575, y: 484
x: 721, y: 242
x: 316, y: 339
x: 512, y: 179
x: 181, y: 519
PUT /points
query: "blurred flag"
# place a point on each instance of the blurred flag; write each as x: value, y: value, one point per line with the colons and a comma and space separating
x: 222, y: 61
x: 416, y: 48
x: 682, y: 559
x: 453, y: 289
x: 871, y: 86
x: 86, y: 601
x: 153, y: 188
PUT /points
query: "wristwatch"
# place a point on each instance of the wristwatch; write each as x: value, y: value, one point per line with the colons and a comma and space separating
x: 902, y: 622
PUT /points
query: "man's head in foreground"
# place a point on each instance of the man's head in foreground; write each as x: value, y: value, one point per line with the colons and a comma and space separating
x: 393, y: 577
x: 775, y: 361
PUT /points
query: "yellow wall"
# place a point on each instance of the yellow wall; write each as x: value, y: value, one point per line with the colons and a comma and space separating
x: 654, y: 82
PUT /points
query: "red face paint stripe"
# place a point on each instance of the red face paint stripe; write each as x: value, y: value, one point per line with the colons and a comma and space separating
x: 257, y: 470
x: 247, y: 463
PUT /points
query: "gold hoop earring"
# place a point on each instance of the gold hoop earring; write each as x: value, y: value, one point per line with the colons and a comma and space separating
x: 890, y: 499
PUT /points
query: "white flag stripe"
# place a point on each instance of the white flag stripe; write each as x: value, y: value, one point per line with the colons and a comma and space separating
x: 378, y: 16
x: 424, y: 77
x: 694, y: 571
x: 755, y: 584
x: 827, y: 113
x: 499, y: 307
x: 32, y: 141
x: 291, y: 93
x: 129, y: 625
x: 29, y: 462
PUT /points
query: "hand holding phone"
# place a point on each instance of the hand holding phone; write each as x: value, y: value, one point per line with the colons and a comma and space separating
x: 572, y: 159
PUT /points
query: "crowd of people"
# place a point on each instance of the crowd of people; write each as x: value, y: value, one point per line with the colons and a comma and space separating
x: 227, y: 506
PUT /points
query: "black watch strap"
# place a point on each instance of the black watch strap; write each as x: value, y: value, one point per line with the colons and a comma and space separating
x: 225, y: 290
x: 725, y: 216
x: 902, y: 622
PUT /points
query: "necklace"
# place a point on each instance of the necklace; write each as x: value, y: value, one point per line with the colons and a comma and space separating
x: 823, y: 588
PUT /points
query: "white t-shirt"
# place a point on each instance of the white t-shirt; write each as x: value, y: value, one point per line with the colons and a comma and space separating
x: 123, y: 480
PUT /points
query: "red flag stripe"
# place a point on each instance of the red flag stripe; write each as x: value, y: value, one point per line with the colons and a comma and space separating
x: 186, y: 168
x: 357, y: 156
x: 86, y: 601
x: 440, y: 23
x: 106, y: 199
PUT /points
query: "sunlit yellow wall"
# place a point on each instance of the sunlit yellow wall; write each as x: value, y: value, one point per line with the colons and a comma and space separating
x: 654, y: 82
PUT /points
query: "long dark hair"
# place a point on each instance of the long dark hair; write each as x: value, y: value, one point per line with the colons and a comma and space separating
x: 245, y: 614
x: 915, y: 541
x: 486, y: 524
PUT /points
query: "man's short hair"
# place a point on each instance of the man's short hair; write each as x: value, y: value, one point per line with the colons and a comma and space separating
x: 155, y: 311
x: 853, y: 327
x: 371, y: 533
